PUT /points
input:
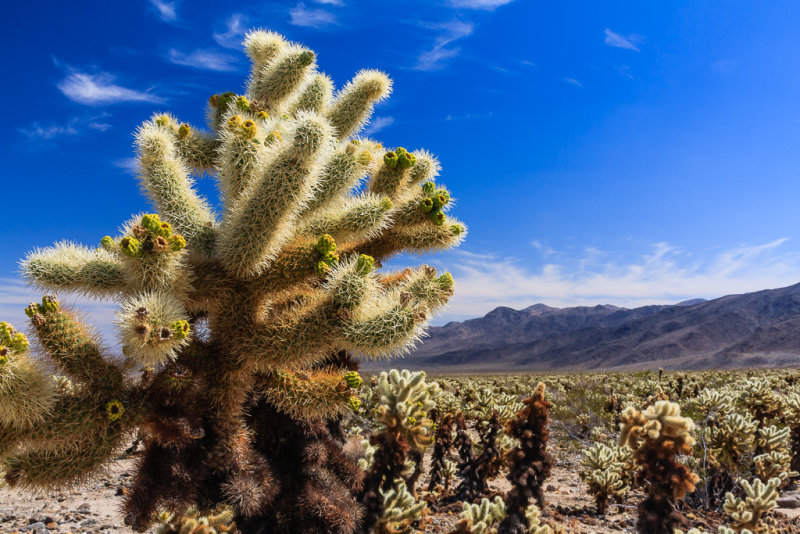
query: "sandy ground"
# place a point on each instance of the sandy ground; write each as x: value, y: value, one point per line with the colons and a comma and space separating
x: 94, y: 507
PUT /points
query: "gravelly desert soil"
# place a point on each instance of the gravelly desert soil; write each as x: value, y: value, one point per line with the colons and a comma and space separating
x: 94, y: 507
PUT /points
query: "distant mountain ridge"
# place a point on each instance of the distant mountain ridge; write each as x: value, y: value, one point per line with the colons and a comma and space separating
x: 760, y: 329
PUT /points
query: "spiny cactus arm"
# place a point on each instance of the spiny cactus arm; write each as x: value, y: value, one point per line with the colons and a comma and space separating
x: 47, y: 469
x: 242, y: 154
x: 341, y: 173
x: 312, y: 394
x: 26, y: 390
x: 70, y: 267
x: 315, y: 96
x: 273, y: 84
x: 354, y: 103
x: 263, y: 46
x: 72, y: 346
x: 357, y: 218
x: 197, y: 148
x: 260, y: 222
x: 165, y: 177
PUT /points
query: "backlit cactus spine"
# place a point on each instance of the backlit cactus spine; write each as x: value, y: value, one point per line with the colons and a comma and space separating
x: 284, y: 282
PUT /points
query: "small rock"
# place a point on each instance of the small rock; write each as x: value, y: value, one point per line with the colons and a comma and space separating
x: 789, y: 501
x: 84, y: 507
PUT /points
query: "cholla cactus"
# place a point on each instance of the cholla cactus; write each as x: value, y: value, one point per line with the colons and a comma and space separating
x: 603, y: 474
x: 282, y: 280
x: 750, y: 513
x: 535, y: 526
x: 530, y: 462
x: 761, y: 400
x: 404, y: 399
x: 657, y: 436
x: 401, y: 511
x: 480, y: 518
x: 194, y: 523
x: 442, y: 447
x: 775, y: 460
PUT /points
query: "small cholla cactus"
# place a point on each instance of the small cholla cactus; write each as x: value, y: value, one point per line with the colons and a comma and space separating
x: 535, y: 526
x: 750, y: 513
x: 530, y: 462
x: 775, y: 459
x: 603, y: 475
x: 400, y: 511
x: 283, y: 281
x: 657, y: 436
x: 194, y: 523
x: 480, y: 518
x: 761, y: 400
x: 404, y: 399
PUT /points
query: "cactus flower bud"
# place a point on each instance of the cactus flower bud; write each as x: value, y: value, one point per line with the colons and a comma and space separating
x: 49, y: 303
x: 322, y: 268
x: 177, y: 242
x: 428, y: 188
x: 184, y: 130
x: 263, y: 115
x: 354, y: 403
x: 151, y: 223
x: 364, y: 264
x: 406, y: 160
x: 445, y: 281
x: 426, y: 205
x: 438, y: 217
x: 235, y: 122
x: 390, y: 159
x: 242, y: 103
x: 326, y: 244
x: 114, y: 410
x: 4, y: 355
x: 250, y: 129
x: 32, y: 309
x: 180, y: 329
x: 163, y: 120
x: 107, y: 242
x: 131, y: 247
x: 353, y: 379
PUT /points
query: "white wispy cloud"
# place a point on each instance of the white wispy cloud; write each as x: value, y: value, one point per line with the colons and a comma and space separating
x: 99, y: 89
x: 166, y: 10
x: 488, y: 5
x: 469, y: 116
x: 130, y: 165
x: 202, y: 59
x: 235, y: 28
x: 573, y: 81
x: 377, y: 124
x: 99, y: 126
x: 665, y: 274
x: 15, y: 296
x: 436, y: 57
x: 337, y: 3
x: 619, y: 41
x: 300, y: 15
x: 724, y: 66
x: 47, y: 132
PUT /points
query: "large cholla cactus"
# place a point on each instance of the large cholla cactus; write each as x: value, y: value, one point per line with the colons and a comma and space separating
x: 237, y: 321
x: 657, y: 436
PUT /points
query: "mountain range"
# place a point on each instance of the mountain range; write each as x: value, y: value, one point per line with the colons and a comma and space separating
x: 760, y: 329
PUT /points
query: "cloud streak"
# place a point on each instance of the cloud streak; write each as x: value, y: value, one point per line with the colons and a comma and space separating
x: 618, y: 41
x: 487, y: 5
x: 436, y: 57
x: 300, y: 15
x: 202, y: 59
x: 235, y: 28
x: 99, y: 89
x: 377, y: 124
x: 663, y: 275
x: 166, y: 10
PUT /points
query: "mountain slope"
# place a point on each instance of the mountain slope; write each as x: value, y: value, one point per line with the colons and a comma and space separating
x: 752, y: 329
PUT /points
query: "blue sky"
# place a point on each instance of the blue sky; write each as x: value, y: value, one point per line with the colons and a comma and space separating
x: 624, y: 153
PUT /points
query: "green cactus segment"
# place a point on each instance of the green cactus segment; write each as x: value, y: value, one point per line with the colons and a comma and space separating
x: 353, y: 105
x: 353, y: 379
x: 26, y: 389
x: 276, y: 82
x: 69, y: 267
x: 383, y: 334
x: 70, y: 344
x: 261, y: 221
x: 341, y: 173
x: 350, y: 283
x: 242, y: 160
x: 165, y: 177
x: 401, y: 509
x: 316, y: 96
x: 357, y: 218
x: 262, y: 47
x: 309, y: 394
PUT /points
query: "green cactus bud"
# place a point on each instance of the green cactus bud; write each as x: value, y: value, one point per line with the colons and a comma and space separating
x: 250, y: 129
x: 163, y: 120
x: 428, y: 188
x: 322, y: 268
x: 364, y: 158
x: 272, y: 137
x: 107, y: 243
x: 355, y: 142
x: 438, y: 217
x: 131, y: 247
x: 331, y: 258
x: 180, y: 329
x: 242, y: 103
x: 164, y: 229
x: 390, y: 159
x: 49, y: 303
x: 400, y: 150
x: 440, y: 198
x: 365, y: 264
x: 353, y: 379
x: 19, y: 343
x: 426, y: 205
x: 184, y: 130
x: 406, y: 160
x: 5, y: 355
x: 114, y: 410
x: 326, y: 244
x: 446, y: 281
x: 151, y: 223
x: 6, y: 331
x: 212, y: 100
x: 224, y: 99
x: 263, y: 115
x: 354, y: 403
x: 177, y: 242
x: 32, y: 309
x: 457, y: 229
